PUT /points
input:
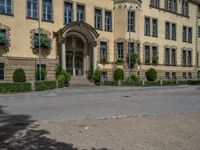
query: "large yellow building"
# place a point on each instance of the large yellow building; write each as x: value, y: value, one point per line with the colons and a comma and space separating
x: 80, y: 34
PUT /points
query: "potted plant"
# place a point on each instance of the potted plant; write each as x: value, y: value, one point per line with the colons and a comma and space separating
x: 45, y: 42
x: 4, y: 40
x: 155, y: 60
x: 120, y: 61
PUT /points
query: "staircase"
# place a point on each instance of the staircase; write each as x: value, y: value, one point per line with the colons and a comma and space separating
x: 80, y: 81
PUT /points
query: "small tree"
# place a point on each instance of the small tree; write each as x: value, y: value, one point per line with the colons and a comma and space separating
x: 151, y: 74
x: 118, y: 74
x: 19, y: 75
x: 97, y: 76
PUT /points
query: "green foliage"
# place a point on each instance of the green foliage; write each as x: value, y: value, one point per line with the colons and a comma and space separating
x: 19, y: 75
x: 151, y: 74
x: 45, y: 42
x: 43, y: 74
x: 120, y: 60
x: 132, y: 83
x: 182, y: 82
x: 90, y: 72
x: 97, y: 74
x: 135, y: 78
x: 118, y: 74
x: 15, y: 87
x: 152, y: 83
x: 198, y: 74
x: 58, y: 70
x: 194, y: 82
x: 155, y: 60
x: 45, y: 85
x: 66, y: 75
x: 169, y: 82
x: 61, y: 81
x: 4, y: 39
x: 110, y: 83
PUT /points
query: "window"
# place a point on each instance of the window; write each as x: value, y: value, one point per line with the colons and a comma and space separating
x: 167, y: 75
x: 189, y: 58
x: 120, y: 50
x: 173, y: 31
x: 173, y: 56
x: 155, y: 27
x: 190, y: 75
x: 131, y: 21
x: 155, y: 3
x: 199, y: 31
x: 184, y: 34
x: 154, y: 51
x: 43, y: 66
x: 174, y: 75
x: 104, y: 76
x: 184, y: 58
x: 184, y: 75
x: 147, y: 27
x: 171, y: 5
x: 167, y: 62
x: 108, y: 21
x: 131, y: 47
x: 32, y: 8
x: 189, y: 35
x: 103, y: 51
x: 147, y: 54
x: 47, y: 10
x: 167, y: 30
x: 185, y: 8
x: 68, y: 12
x: 98, y: 19
x: 1, y: 71
x: 80, y: 13
x: 6, y: 6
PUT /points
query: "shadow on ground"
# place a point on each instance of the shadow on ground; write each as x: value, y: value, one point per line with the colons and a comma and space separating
x: 18, y: 133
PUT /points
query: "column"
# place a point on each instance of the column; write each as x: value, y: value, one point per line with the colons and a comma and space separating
x: 63, y: 56
x: 94, y: 58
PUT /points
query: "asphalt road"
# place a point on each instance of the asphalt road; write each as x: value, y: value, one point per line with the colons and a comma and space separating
x: 100, y: 102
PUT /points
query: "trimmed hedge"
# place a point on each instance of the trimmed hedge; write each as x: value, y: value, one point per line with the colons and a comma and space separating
x: 15, y: 87
x: 132, y: 83
x: 151, y: 74
x: 152, y: 83
x: 110, y: 83
x: 194, y: 82
x: 45, y: 85
x: 19, y: 75
x: 169, y: 82
x: 182, y: 82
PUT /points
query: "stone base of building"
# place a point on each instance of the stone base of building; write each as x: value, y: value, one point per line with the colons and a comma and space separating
x: 29, y: 65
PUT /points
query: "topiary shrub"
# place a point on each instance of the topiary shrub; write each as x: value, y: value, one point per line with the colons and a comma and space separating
x: 43, y: 74
x: 97, y: 76
x: 151, y: 74
x: 135, y: 78
x: 19, y: 75
x: 118, y: 74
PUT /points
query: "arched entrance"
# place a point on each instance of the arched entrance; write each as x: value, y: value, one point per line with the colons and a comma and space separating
x: 78, y: 50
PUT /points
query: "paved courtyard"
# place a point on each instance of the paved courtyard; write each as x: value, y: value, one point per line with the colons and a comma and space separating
x: 102, y: 118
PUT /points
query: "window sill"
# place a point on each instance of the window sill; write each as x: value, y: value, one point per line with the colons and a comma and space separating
x: 12, y: 15
x: 108, y: 30
x: 132, y: 31
x: 31, y: 18
x: 100, y: 29
x: 49, y: 21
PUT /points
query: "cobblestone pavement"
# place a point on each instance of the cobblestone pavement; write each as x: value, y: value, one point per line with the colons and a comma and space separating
x: 102, y: 118
x: 101, y: 102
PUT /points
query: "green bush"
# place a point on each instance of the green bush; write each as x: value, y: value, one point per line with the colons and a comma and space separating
x: 61, y: 81
x: 135, y: 78
x: 120, y: 60
x: 19, y: 75
x: 152, y: 83
x: 118, y: 74
x: 194, y: 82
x: 110, y: 83
x: 45, y: 85
x: 90, y: 72
x: 133, y: 58
x: 66, y: 75
x: 182, y: 82
x: 132, y: 83
x: 169, y: 82
x: 58, y: 70
x: 43, y: 74
x: 155, y: 60
x: 15, y: 87
x: 151, y: 74
x: 97, y: 75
